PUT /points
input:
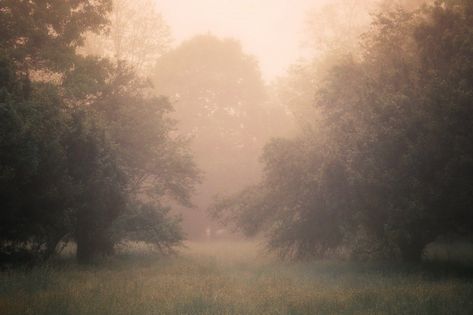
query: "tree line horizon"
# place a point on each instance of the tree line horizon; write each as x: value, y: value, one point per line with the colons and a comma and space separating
x: 106, y: 131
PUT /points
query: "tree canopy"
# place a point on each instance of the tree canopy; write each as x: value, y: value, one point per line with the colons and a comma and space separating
x: 87, y: 153
x: 383, y: 162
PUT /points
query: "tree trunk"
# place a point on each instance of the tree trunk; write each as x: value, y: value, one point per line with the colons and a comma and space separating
x: 86, y: 251
x: 412, y: 251
x: 92, y: 244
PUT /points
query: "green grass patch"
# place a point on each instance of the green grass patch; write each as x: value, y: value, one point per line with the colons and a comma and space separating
x: 231, y: 278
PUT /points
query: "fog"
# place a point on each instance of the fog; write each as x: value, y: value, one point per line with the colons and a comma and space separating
x: 277, y: 35
x: 232, y: 72
x: 272, y: 30
x: 236, y: 156
x: 319, y: 127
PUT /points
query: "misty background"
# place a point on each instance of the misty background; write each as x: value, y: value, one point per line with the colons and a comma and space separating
x: 280, y: 36
x: 236, y: 157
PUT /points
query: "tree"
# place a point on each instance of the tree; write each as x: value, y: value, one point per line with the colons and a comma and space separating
x: 35, y: 192
x: 101, y: 185
x: 415, y: 158
x: 43, y: 35
x: 297, y: 204
x: 155, y: 162
x: 137, y: 35
x: 129, y: 160
x: 219, y: 99
x: 38, y: 40
x: 88, y: 153
x: 336, y: 27
x: 382, y: 165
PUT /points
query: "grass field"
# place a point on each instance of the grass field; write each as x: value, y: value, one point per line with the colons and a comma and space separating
x: 230, y: 278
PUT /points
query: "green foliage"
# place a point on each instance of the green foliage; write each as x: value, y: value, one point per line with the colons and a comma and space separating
x: 101, y: 196
x: 156, y: 159
x: 83, y: 144
x: 127, y: 134
x: 150, y: 223
x: 297, y: 203
x: 384, y: 161
x: 36, y: 191
x: 45, y: 34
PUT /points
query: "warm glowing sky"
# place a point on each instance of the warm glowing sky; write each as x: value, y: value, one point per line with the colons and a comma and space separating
x: 273, y: 30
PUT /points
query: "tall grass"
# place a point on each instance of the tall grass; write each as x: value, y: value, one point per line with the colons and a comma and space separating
x: 229, y: 278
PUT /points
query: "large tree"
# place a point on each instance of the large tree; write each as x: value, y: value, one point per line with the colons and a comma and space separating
x: 154, y: 160
x: 87, y: 153
x: 38, y: 40
x: 35, y: 190
x: 220, y: 102
x: 383, y: 162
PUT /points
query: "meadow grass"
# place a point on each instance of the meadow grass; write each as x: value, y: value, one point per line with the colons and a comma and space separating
x: 230, y: 278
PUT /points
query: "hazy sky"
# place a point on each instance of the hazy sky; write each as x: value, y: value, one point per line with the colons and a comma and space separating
x: 272, y: 30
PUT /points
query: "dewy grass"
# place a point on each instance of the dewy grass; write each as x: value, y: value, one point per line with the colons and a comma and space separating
x: 229, y: 278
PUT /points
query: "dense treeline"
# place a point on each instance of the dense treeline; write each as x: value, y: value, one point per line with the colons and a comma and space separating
x: 384, y: 160
x: 87, y: 153
x: 381, y: 164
